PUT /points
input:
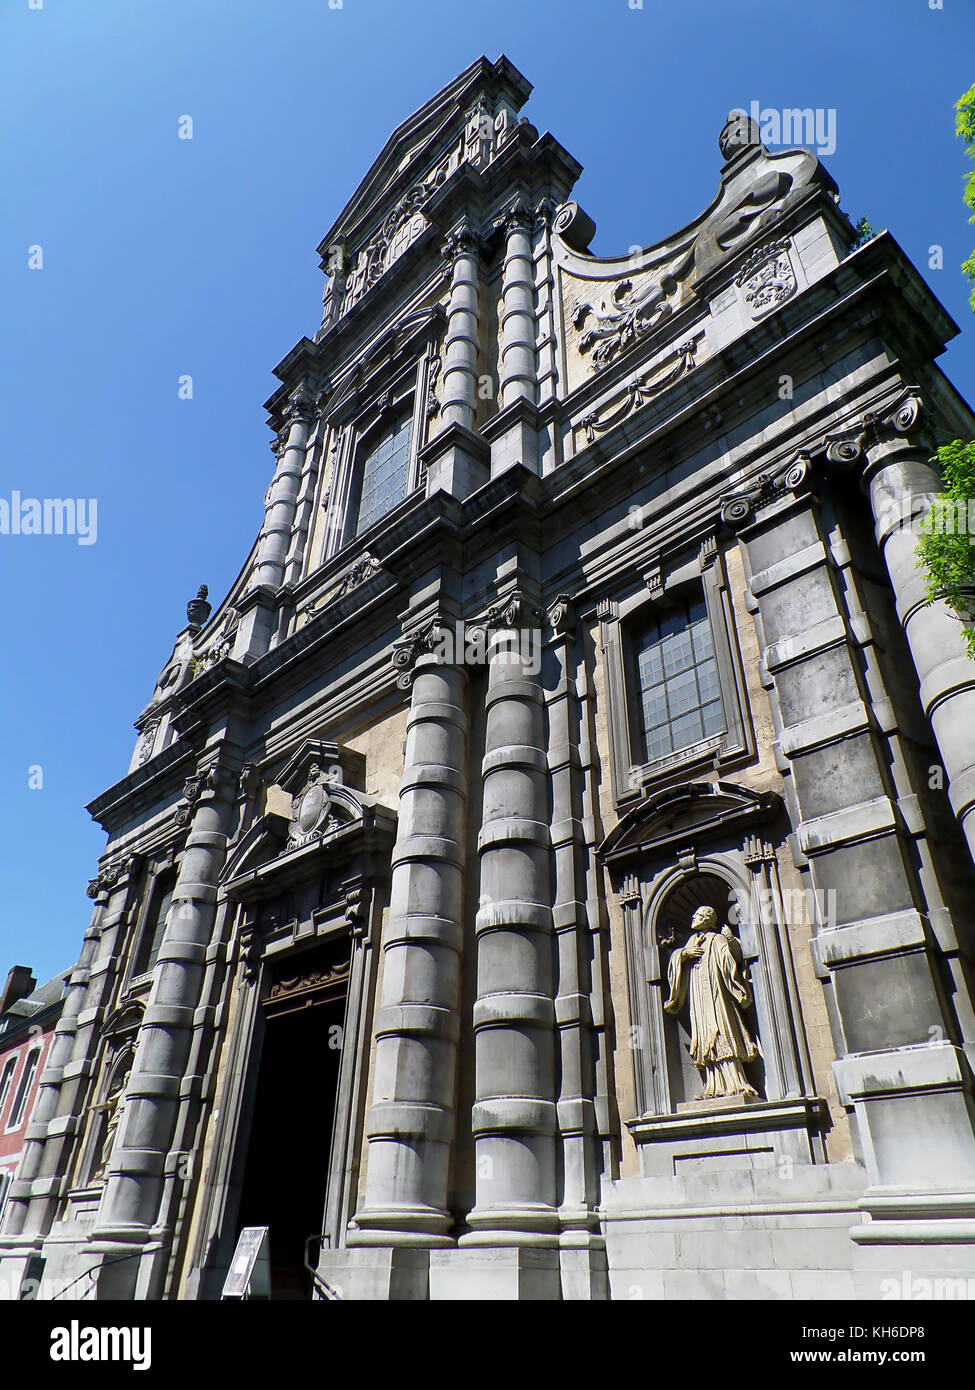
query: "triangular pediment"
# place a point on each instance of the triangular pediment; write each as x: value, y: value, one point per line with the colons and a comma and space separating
x: 417, y: 142
x: 686, y: 815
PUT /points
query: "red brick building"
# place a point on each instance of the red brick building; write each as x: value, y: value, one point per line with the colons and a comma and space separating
x: 28, y: 1016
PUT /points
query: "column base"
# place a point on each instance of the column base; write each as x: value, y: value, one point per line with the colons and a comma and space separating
x: 501, y: 1274
x: 422, y: 1227
x: 379, y: 1275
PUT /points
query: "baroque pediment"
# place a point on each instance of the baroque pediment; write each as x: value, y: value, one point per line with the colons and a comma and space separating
x: 687, y: 815
x: 612, y: 304
x: 467, y: 123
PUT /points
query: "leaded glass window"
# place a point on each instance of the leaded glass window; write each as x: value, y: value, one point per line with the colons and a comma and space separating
x: 680, y: 698
x: 384, y: 473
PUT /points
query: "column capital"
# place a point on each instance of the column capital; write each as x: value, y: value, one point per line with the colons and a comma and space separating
x: 435, y: 635
x: 463, y: 240
x: 739, y: 508
x: 906, y: 420
x: 518, y: 216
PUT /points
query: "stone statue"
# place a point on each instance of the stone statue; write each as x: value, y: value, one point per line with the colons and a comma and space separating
x: 114, y: 1106
x: 710, y: 970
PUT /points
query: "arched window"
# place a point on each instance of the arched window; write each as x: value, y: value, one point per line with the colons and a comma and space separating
x: 154, y: 924
x: 22, y: 1097
x: 6, y: 1080
x: 383, y: 469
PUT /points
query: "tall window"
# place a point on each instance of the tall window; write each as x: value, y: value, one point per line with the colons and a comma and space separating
x: 155, y: 924
x: 383, y: 472
x: 23, y: 1089
x: 6, y: 1080
x: 680, y: 698
x: 5, y: 1180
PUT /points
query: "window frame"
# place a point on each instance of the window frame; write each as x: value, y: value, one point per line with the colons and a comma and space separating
x: 157, y: 870
x: 353, y: 433
x: 22, y: 1093
x: 7, y: 1075
x: 620, y: 623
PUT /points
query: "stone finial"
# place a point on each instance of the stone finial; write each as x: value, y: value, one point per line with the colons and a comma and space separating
x: 738, y: 134
x: 198, y: 610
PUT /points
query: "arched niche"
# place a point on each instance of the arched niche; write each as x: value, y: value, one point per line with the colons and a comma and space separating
x: 670, y: 927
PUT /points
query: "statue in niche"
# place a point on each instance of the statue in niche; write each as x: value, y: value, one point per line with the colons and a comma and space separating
x: 113, y: 1106
x: 709, y: 972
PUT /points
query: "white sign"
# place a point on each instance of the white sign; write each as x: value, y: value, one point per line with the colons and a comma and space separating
x: 250, y: 1269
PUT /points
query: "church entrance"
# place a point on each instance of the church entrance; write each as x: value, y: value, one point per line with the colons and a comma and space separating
x: 286, y: 1173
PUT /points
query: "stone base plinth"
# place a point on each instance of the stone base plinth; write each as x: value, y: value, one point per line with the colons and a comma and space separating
x: 482, y: 1274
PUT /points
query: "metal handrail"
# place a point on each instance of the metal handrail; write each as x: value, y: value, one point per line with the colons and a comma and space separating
x: 332, y: 1295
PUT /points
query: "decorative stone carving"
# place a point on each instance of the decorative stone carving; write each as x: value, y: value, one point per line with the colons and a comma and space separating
x: 709, y: 972
x: 738, y: 508
x: 628, y: 318
x: 114, y: 1108
x: 766, y: 278
x: 147, y: 739
x: 433, y: 401
x: 362, y: 569
x: 464, y: 240
x: 198, y: 610
x: 412, y: 645
x: 311, y: 812
x: 738, y: 134
x: 641, y: 390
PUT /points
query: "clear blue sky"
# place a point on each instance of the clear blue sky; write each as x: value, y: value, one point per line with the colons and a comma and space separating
x: 164, y: 256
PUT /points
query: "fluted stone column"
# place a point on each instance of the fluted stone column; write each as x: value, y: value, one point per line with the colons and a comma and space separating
x: 901, y: 485
x: 519, y: 369
x: 460, y: 367
x: 514, y: 1116
x: 159, y: 1082
x: 412, y: 1120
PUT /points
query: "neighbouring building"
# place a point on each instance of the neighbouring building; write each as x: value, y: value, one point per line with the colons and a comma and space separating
x: 28, y: 1016
x: 548, y: 872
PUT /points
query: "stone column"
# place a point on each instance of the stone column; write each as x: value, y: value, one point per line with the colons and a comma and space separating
x: 514, y: 1116
x: 412, y: 1120
x: 160, y: 1080
x: 518, y: 369
x: 282, y: 495
x: 901, y: 486
x: 460, y: 368
x: 258, y: 608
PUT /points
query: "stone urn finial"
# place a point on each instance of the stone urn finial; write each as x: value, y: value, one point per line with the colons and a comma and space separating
x: 738, y: 134
x: 198, y: 610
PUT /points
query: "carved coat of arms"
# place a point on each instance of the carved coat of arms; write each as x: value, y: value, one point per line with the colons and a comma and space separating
x: 766, y: 279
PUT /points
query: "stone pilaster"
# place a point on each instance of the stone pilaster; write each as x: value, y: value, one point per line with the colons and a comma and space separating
x: 900, y: 1068
x: 583, y: 1256
x: 142, y: 1161
x: 514, y: 1117
x: 901, y: 485
x: 411, y: 1124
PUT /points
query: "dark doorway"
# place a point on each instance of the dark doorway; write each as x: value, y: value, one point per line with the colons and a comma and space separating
x: 286, y: 1173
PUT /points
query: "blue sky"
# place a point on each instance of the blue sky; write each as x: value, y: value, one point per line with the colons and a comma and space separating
x: 164, y: 257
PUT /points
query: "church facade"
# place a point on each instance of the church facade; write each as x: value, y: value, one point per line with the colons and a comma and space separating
x: 548, y: 873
